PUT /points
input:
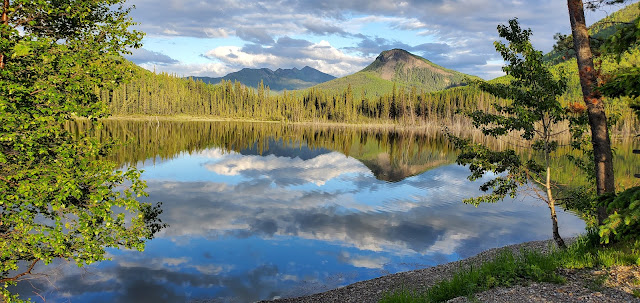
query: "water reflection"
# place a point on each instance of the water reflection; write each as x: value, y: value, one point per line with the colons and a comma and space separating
x: 282, y: 216
x: 390, y: 155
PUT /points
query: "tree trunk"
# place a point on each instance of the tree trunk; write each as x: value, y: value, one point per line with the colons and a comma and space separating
x: 5, y: 22
x: 554, y: 221
x: 550, y: 201
x: 602, y: 155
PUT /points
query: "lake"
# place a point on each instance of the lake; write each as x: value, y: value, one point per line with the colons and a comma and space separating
x: 261, y: 211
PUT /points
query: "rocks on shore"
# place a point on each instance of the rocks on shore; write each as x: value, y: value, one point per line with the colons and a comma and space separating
x: 582, y: 285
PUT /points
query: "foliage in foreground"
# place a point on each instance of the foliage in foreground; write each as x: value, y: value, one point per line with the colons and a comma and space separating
x: 534, y: 113
x: 624, y: 222
x: 56, y: 199
x: 509, y: 269
x: 587, y: 252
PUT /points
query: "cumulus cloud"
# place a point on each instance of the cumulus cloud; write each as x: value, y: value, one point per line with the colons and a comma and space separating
x: 143, y: 56
x: 394, y: 22
x: 141, y: 281
x: 288, y: 53
x: 464, y: 26
x: 274, y: 199
x: 438, y: 223
x: 255, y: 35
x: 445, y: 54
x: 370, y: 46
x: 318, y: 170
x: 362, y: 261
x: 363, y: 223
x: 323, y: 28
x: 210, y: 69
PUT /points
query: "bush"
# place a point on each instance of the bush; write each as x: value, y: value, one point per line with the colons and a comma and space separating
x: 624, y: 222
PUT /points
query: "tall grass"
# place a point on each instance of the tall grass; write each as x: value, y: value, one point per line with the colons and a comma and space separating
x: 586, y: 252
x: 509, y: 269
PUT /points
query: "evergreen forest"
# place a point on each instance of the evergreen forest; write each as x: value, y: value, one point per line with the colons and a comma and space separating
x: 396, y: 102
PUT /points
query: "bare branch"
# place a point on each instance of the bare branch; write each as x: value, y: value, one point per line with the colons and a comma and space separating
x: 28, y: 272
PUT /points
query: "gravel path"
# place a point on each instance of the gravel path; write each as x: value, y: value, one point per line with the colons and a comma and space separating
x: 581, y: 286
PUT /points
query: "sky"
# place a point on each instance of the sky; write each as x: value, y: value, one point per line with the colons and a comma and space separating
x: 339, y: 37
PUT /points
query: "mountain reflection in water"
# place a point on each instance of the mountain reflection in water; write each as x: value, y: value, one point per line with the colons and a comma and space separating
x: 263, y: 211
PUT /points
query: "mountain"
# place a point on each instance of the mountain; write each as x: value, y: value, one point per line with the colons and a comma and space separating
x: 280, y: 79
x: 404, y: 69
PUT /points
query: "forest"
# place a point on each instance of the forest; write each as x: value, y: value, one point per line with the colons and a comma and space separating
x: 166, y: 95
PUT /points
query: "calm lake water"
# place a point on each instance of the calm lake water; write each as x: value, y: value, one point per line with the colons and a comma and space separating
x: 260, y: 211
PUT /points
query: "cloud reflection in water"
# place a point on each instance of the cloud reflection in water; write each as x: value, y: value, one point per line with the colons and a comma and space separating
x: 287, y: 226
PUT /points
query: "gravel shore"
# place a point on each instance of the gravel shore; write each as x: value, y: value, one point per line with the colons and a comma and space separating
x: 581, y: 286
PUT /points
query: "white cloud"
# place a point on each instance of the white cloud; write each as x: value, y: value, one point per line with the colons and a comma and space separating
x: 363, y: 261
x: 216, y: 32
x: 450, y: 242
x: 394, y: 22
x: 433, y: 221
x: 215, y: 153
x: 318, y: 170
x: 322, y: 56
x: 212, y: 69
x: 170, y: 32
x: 174, y: 261
x: 466, y: 25
x: 209, y: 269
x: 234, y: 55
x: 143, y: 56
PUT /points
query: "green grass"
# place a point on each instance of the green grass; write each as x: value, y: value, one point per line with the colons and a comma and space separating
x: 509, y: 269
x: 506, y: 269
x: 587, y: 253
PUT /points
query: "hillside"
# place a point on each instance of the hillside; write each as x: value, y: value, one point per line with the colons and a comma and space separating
x: 278, y: 80
x: 562, y: 60
x: 397, y: 66
x: 599, y: 31
x: 333, y: 101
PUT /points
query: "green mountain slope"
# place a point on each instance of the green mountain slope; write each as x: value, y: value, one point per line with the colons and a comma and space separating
x: 563, y: 56
x: 278, y: 80
x: 417, y: 99
x: 561, y: 60
x: 599, y: 32
x: 397, y: 66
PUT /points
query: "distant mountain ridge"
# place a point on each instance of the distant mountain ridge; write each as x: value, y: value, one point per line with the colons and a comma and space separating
x: 280, y: 79
x: 404, y: 69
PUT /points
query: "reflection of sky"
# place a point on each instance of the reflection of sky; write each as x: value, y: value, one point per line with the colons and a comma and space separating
x: 246, y: 227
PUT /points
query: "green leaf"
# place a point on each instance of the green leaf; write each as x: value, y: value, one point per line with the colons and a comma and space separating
x: 21, y: 49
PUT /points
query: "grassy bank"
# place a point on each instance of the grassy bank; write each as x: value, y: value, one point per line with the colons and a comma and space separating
x: 456, y: 125
x: 509, y: 269
x: 429, y: 126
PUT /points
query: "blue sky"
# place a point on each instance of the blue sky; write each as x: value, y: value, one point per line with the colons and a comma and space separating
x: 338, y: 37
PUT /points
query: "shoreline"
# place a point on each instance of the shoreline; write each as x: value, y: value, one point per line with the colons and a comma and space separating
x: 374, y: 290
x: 456, y: 125
x: 361, y: 125
x: 578, y: 287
